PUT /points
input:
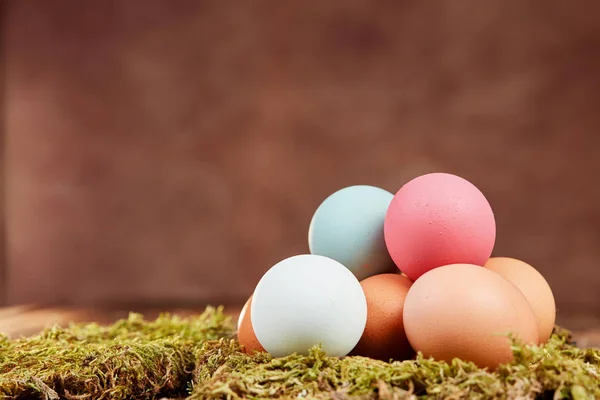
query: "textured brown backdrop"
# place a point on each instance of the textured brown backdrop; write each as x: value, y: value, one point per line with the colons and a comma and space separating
x: 170, y: 152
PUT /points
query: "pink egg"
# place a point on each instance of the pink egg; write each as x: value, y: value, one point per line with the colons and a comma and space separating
x: 438, y: 219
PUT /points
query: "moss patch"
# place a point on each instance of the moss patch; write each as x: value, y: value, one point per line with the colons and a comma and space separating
x: 130, y: 359
x: 199, y: 358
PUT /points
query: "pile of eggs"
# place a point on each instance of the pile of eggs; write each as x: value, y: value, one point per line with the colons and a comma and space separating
x: 391, y: 275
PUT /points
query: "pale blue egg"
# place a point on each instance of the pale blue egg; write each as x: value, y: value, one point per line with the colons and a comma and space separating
x: 348, y: 227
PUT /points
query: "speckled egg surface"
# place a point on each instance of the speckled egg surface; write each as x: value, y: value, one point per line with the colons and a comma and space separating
x: 438, y: 219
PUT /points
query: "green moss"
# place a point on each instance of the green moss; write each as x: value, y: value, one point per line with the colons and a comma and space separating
x: 199, y: 358
x: 130, y: 359
x: 556, y: 370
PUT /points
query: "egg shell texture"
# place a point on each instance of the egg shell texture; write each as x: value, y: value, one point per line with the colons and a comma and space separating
x: 384, y: 337
x: 348, y: 227
x: 307, y: 300
x: 245, y: 332
x: 465, y: 311
x: 438, y: 219
x: 535, y: 288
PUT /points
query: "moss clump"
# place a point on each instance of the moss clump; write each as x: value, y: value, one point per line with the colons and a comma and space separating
x: 556, y: 370
x: 199, y: 358
x: 130, y: 359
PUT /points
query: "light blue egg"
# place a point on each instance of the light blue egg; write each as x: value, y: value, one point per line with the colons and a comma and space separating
x: 348, y: 227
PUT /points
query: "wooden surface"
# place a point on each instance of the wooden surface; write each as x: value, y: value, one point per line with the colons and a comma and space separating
x: 20, y: 321
x: 28, y: 320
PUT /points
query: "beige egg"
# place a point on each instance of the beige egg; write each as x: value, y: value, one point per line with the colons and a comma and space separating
x: 466, y: 311
x: 245, y: 331
x: 384, y: 337
x: 535, y: 288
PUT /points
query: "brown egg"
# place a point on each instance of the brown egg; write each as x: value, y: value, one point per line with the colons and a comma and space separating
x: 384, y: 337
x: 535, y: 288
x: 466, y: 311
x: 245, y: 332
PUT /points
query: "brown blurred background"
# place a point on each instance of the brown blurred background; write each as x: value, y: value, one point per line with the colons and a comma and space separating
x: 167, y: 153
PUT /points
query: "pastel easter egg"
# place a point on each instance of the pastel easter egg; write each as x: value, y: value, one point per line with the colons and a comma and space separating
x: 348, y: 227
